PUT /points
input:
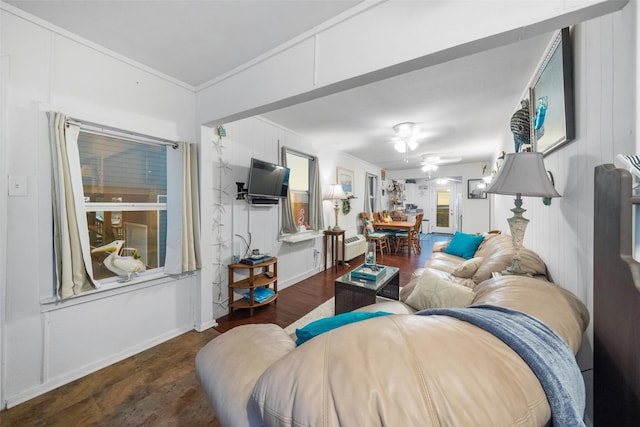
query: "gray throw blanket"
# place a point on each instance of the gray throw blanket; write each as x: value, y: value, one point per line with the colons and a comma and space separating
x: 548, y: 356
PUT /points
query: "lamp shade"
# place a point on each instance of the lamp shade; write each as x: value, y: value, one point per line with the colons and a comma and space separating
x: 524, y: 174
x: 335, y: 193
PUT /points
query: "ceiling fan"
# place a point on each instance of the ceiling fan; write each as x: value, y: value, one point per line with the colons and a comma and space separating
x: 430, y: 162
x: 445, y: 180
x: 405, y: 138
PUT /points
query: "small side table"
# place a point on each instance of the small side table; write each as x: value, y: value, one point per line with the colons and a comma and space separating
x: 335, y: 239
x: 352, y: 293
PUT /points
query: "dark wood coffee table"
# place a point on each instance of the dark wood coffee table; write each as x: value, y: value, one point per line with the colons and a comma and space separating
x: 352, y: 293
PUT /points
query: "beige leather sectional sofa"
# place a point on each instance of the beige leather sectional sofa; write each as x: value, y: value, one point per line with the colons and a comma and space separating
x: 398, y: 370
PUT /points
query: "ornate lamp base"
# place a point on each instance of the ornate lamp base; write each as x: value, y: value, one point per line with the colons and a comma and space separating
x: 336, y: 209
x: 517, y: 225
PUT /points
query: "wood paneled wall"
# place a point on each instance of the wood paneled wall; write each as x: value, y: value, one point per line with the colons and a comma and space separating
x: 604, y: 77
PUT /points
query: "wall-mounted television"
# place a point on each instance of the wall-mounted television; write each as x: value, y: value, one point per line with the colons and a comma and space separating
x: 267, y: 180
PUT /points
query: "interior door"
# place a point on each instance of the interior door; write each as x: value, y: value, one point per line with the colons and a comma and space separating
x: 442, y: 209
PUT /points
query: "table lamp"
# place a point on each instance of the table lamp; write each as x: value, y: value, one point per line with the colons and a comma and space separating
x: 335, y: 193
x: 522, y: 174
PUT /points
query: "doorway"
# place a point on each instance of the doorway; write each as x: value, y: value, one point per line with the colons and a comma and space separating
x: 442, y: 210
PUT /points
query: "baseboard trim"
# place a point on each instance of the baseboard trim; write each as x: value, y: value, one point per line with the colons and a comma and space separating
x: 206, y: 325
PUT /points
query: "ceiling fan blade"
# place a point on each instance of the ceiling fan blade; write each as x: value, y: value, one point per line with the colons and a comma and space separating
x: 448, y: 160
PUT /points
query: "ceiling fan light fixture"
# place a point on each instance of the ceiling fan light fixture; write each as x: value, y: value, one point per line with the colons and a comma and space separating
x: 429, y: 168
x: 404, y: 140
x: 431, y: 159
x: 406, y: 129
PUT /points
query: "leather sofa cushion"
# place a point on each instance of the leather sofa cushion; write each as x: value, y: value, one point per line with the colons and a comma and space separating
x: 497, y: 252
x: 408, y: 288
x: 246, y: 352
x: 401, y: 370
x: 558, y: 308
x: 498, y: 255
x: 444, y: 262
x: 468, y: 268
x: 433, y: 291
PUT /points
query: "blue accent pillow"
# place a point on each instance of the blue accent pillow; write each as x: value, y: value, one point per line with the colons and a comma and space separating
x: 320, y: 326
x: 463, y: 245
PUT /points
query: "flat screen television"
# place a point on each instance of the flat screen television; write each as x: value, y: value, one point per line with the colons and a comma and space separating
x: 267, y: 179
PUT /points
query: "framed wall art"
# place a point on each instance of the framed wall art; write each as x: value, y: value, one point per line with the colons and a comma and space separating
x: 551, y: 97
x: 476, y: 189
x: 344, y: 177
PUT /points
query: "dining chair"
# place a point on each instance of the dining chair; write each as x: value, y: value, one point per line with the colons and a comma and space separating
x: 381, y: 239
x: 410, y: 239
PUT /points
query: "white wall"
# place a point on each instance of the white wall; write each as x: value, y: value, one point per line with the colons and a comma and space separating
x: 49, y: 344
x: 604, y: 78
x: 4, y: 70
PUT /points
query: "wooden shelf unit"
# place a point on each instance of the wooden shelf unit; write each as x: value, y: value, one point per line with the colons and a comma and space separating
x: 258, y: 279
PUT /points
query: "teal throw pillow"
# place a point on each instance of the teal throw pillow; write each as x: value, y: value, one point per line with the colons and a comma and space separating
x: 320, y: 326
x: 463, y: 245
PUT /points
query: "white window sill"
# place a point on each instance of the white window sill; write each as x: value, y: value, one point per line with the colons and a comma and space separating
x: 300, y: 237
x: 109, y: 289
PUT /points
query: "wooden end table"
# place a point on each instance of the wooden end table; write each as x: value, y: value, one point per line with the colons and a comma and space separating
x: 334, y: 236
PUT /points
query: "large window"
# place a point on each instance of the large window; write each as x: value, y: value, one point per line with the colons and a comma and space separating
x: 299, y: 185
x: 303, y: 209
x: 125, y: 194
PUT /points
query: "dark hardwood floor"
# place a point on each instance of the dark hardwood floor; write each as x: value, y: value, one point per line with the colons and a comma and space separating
x: 299, y: 299
x: 158, y: 386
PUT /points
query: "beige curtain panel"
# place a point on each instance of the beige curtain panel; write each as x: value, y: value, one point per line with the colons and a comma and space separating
x: 190, y: 209
x: 73, y: 271
x: 288, y: 222
x: 316, y: 201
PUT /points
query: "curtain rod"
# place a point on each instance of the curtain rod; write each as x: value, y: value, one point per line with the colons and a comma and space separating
x: 98, y: 129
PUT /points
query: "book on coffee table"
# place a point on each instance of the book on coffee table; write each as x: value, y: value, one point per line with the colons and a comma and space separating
x: 368, y: 272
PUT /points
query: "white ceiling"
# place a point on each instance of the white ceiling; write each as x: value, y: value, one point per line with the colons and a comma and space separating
x: 191, y: 40
x: 463, y: 106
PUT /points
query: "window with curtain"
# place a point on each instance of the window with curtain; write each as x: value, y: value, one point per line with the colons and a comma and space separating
x: 303, y: 208
x: 299, y: 185
x: 125, y: 198
x: 122, y: 203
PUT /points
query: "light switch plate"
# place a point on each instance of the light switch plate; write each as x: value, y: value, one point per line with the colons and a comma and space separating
x: 18, y: 185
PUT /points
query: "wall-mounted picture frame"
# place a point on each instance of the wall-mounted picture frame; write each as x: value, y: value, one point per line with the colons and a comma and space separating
x: 552, y: 98
x: 476, y: 189
x: 344, y: 177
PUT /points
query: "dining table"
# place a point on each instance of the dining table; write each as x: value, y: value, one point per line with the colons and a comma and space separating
x: 395, y: 225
